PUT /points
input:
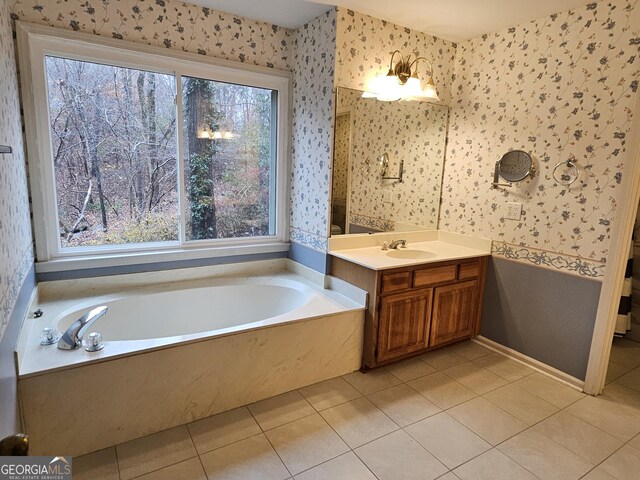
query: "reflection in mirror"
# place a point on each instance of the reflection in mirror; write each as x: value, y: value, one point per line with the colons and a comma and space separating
x: 400, y: 193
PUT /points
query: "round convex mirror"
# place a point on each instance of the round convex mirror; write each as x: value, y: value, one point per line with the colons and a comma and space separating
x: 514, y: 166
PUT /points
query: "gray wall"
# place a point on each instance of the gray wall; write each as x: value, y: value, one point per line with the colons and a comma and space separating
x: 542, y: 313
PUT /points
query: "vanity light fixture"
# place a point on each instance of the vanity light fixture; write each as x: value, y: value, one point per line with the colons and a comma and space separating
x: 402, y: 83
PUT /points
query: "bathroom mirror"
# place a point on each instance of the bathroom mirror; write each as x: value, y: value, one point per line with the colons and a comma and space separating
x: 514, y: 166
x: 387, y: 164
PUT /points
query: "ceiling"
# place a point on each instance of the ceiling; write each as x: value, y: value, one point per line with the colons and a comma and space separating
x: 454, y: 20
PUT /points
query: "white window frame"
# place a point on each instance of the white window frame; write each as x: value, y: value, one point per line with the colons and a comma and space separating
x: 35, y: 42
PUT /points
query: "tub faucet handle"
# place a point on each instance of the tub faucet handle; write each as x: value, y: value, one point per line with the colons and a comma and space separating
x: 72, y: 338
x: 94, y: 342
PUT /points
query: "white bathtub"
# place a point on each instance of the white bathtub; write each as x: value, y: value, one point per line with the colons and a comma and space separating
x: 231, y: 303
x: 177, y: 352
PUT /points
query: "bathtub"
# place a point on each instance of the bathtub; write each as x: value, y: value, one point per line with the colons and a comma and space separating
x: 180, y: 351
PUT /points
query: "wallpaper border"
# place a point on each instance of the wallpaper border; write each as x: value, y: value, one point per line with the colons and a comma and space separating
x: 307, y: 239
x: 551, y: 260
x: 372, y: 222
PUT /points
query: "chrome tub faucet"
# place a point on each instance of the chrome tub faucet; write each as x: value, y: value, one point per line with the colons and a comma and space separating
x: 72, y: 338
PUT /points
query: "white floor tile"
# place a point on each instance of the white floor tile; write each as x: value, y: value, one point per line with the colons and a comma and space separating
x: 543, y: 457
x: 329, y: 393
x: 372, y: 381
x: 598, y: 474
x: 448, y: 440
x: 493, y: 465
x: 475, y: 378
x: 521, y: 404
x: 580, y: 437
x: 154, y: 452
x: 607, y: 416
x: 441, y: 390
x: 397, y: 456
x: 358, y: 421
x: 403, y: 404
x: 616, y: 371
x: 469, y: 349
x: 222, y: 429
x: 488, y: 421
x: 442, y: 358
x: 635, y: 443
x: 410, y: 369
x: 276, y: 411
x: 100, y: 465
x: 345, y: 467
x: 504, y: 367
x: 306, y: 443
x: 250, y: 458
x: 188, y: 470
x: 550, y: 390
x: 630, y: 380
x: 624, y: 464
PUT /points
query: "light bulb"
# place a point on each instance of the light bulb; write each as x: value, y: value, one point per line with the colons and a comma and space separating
x: 430, y: 90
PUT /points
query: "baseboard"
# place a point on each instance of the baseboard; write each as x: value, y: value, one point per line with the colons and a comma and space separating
x: 539, y: 367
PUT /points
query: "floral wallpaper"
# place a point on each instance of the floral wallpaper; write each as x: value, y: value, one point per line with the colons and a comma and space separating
x: 341, y: 150
x: 170, y: 24
x: 413, y: 132
x: 364, y: 47
x: 559, y: 86
x: 313, y: 76
x: 16, y: 251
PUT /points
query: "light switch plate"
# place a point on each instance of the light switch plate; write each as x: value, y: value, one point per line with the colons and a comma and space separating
x: 386, y: 196
x: 514, y: 210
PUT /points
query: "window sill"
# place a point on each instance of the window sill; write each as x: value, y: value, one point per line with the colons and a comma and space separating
x: 151, y: 259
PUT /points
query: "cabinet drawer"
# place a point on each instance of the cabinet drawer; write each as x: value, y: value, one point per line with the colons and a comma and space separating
x: 434, y: 275
x: 394, y: 282
x: 469, y: 270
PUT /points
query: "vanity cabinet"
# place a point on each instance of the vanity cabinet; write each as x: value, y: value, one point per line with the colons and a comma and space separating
x: 413, y: 309
x: 403, y: 324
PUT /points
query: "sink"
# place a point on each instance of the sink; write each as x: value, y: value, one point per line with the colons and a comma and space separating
x: 408, y: 253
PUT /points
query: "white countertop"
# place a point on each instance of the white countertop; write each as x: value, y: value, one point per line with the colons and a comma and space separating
x: 422, y: 248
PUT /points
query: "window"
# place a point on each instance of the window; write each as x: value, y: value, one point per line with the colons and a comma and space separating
x: 142, y: 152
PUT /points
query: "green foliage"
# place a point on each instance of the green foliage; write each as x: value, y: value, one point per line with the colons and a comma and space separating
x: 201, y: 202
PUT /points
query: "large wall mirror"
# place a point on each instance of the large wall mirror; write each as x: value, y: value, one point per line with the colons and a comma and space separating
x: 387, y: 164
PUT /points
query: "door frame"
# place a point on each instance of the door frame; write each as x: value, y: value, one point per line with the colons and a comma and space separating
x: 621, y: 232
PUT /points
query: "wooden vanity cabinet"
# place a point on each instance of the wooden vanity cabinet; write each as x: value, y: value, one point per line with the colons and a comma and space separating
x: 413, y: 309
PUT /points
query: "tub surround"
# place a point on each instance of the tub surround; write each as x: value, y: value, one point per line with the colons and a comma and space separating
x: 423, y: 247
x: 161, y: 385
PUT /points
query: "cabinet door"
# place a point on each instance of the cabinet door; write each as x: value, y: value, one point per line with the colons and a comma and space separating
x: 454, y: 312
x: 403, y: 326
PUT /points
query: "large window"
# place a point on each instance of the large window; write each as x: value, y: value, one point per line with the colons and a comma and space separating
x: 139, y: 151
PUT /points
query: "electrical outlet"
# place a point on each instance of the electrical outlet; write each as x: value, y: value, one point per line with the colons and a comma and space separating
x: 387, y: 196
x: 514, y: 210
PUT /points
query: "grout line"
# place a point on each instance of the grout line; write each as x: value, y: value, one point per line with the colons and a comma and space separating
x: 165, y: 466
x: 263, y: 432
x: 115, y: 449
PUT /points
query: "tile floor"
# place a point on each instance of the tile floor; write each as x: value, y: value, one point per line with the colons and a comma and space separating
x: 462, y: 412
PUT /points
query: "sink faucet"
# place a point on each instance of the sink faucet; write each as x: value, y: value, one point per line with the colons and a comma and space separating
x: 394, y: 244
x: 72, y: 338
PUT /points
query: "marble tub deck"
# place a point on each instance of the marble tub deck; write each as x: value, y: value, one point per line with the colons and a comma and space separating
x: 462, y: 412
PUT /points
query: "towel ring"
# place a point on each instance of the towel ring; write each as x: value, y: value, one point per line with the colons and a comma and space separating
x: 564, y: 178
